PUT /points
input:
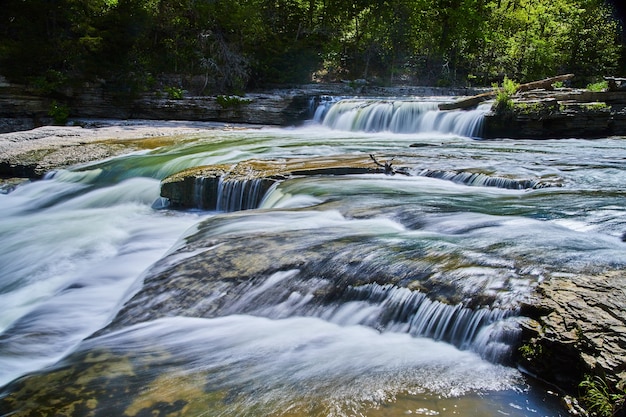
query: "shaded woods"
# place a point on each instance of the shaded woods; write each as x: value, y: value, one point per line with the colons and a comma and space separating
x: 225, y: 46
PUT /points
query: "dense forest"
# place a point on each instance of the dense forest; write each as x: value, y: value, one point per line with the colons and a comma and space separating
x: 216, y: 46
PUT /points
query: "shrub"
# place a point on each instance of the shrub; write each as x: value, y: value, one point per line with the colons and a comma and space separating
x: 504, y: 93
x: 598, y: 397
x: 599, y: 86
x: 59, y: 113
x: 174, y: 93
x: 231, y: 102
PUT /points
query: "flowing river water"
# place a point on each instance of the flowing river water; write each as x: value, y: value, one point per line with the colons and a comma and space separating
x: 483, y: 222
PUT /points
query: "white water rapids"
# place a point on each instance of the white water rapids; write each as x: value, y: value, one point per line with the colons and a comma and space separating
x: 75, y: 247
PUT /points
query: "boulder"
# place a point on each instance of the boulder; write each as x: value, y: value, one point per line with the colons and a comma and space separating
x: 576, y: 326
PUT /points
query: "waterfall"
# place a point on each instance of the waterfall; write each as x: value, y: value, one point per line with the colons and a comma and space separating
x: 399, y: 116
x: 224, y: 194
x: 482, y: 180
x: 320, y: 107
x: 236, y: 195
x: 407, y: 311
x: 388, y: 308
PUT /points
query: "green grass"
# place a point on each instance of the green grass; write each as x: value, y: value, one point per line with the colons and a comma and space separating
x: 599, y: 399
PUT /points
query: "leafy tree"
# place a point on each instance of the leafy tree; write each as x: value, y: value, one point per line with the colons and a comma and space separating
x: 223, y: 46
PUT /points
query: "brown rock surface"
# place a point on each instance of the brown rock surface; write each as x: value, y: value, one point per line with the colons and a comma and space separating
x: 578, y: 329
x: 198, y: 187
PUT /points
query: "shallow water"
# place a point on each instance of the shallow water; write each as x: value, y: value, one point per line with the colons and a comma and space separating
x: 76, y: 246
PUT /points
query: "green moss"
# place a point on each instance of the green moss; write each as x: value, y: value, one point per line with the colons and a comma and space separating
x: 528, y: 108
x: 598, y: 106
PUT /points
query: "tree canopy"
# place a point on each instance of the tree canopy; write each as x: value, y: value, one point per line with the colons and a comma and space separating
x: 215, y: 46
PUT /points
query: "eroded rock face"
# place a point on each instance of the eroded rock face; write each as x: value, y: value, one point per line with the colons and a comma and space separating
x: 204, y: 187
x: 578, y: 328
x: 554, y: 115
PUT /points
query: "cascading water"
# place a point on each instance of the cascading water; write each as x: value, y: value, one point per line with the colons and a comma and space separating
x: 482, y: 180
x: 235, y: 195
x: 399, y: 116
x: 341, y: 295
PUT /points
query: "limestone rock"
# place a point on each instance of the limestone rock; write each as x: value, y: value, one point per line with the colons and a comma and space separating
x: 202, y: 187
x: 582, y: 329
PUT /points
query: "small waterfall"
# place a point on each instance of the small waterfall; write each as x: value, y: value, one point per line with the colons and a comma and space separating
x: 236, y: 195
x: 399, y: 116
x: 223, y: 193
x: 407, y: 311
x: 320, y: 107
x: 388, y: 308
x: 482, y: 180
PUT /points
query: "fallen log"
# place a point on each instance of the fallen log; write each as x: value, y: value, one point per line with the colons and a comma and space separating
x: 544, y: 84
x: 468, y: 102
x: 472, y: 101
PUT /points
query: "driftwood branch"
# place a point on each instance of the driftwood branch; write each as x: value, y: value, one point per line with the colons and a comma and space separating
x: 387, y: 167
x: 472, y: 101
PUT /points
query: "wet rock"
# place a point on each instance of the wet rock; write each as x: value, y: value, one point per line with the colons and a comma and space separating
x: 579, y: 329
x: 205, y: 187
x: 554, y: 115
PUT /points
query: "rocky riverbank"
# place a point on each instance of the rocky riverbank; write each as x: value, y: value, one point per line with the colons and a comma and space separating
x: 24, y: 107
x: 574, y: 326
x: 31, y: 154
x: 559, y: 114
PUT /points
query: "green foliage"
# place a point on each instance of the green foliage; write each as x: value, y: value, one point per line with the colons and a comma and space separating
x: 49, y: 82
x: 598, y: 86
x: 530, y: 351
x: 224, y: 47
x: 59, y: 113
x: 231, y: 102
x: 599, y: 399
x: 529, y: 108
x: 174, y: 93
x: 504, y: 94
x: 595, y: 107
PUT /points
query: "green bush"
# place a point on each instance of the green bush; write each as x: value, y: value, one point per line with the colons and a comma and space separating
x: 231, y: 102
x: 59, y: 113
x: 174, y: 93
x: 599, y: 86
x: 504, y: 95
x: 599, y: 399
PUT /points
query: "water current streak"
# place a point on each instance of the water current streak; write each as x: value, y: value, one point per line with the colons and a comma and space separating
x: 404, y: 310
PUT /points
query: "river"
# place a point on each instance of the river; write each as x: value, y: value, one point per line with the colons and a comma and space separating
x: 489, y: 219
